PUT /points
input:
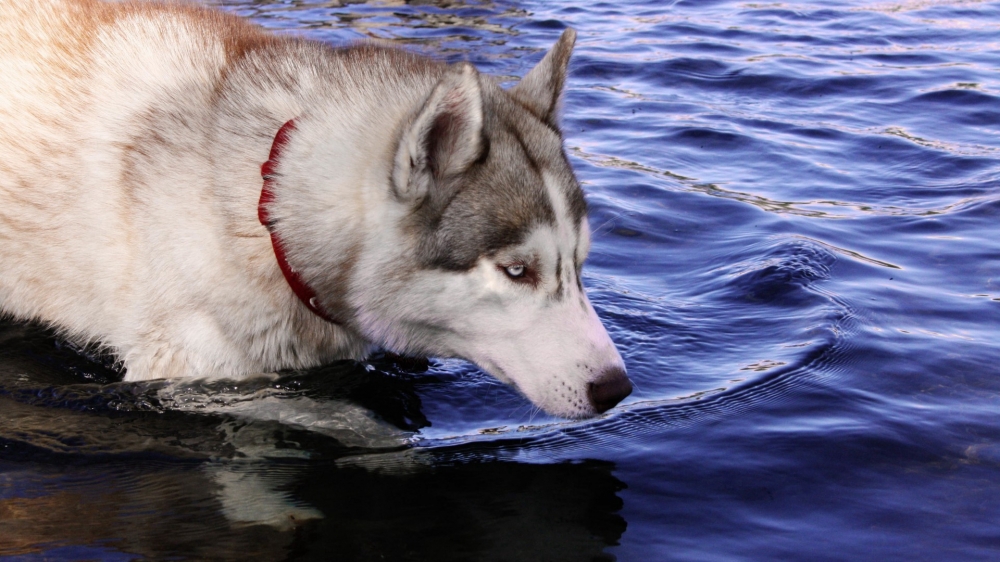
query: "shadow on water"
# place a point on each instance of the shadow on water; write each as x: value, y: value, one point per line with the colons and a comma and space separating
x: 478, y: 510
x: 94, y: 468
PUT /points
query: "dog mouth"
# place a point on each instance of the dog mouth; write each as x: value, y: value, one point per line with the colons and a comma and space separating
x: 496, y: 371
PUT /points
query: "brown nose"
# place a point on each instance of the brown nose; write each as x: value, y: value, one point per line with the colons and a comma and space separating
x: 609, y: 389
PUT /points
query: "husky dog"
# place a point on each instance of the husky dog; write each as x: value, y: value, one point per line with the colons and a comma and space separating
x: 405, y: 203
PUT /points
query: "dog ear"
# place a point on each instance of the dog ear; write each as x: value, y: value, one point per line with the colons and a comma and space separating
x: 539, y: 91
x: 443, y: 140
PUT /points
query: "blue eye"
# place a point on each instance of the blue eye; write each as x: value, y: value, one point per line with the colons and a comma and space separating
x: 514, y: 271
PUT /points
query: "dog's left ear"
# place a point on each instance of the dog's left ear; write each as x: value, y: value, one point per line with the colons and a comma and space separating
x: 539, y: 91
x: 443, y: 140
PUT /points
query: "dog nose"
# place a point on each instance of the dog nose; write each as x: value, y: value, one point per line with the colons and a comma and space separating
x: 611, y: 388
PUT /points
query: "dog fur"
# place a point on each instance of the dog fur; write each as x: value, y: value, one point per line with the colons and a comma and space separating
x: 431, y: 211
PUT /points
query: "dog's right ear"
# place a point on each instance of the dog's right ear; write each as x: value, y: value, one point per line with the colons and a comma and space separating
x: 540, y: 90
x: 443, y: 140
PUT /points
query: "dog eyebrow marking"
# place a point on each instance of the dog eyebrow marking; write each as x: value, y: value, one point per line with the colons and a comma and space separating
x: 559, y: 293
x: 576, y: 269
x: 564, y: 226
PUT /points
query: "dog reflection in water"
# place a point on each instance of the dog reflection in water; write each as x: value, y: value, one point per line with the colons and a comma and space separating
x: 213, y: 480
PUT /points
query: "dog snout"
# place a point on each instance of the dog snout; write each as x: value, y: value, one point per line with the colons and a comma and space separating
x: 609, y: 389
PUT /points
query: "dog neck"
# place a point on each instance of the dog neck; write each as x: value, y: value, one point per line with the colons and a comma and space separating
x: 267, y: 170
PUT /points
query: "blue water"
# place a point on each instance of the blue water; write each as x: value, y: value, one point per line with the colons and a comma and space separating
x: 796, y: 213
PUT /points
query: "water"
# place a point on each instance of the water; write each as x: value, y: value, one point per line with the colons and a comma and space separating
x: 795, y: 209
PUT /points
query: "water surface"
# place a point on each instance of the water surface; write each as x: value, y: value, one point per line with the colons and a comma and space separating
x: 796, y: 248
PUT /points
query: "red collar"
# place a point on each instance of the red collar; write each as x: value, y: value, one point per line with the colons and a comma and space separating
x: 267, y: 170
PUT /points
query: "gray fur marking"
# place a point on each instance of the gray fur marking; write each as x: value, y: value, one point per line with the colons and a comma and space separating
x: 501, y: 197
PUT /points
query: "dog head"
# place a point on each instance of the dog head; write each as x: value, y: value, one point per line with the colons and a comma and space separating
x: 500, y: 230
x: 477, y: 251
